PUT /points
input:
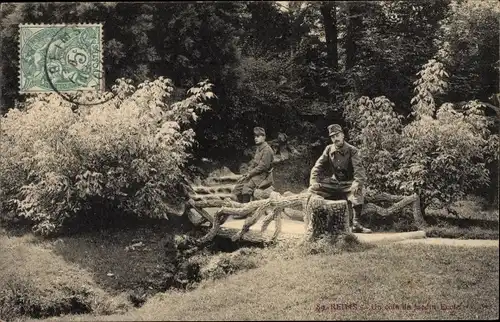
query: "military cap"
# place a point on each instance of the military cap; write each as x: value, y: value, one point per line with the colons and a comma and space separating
x: 334, y: 129
x: 259, y: 131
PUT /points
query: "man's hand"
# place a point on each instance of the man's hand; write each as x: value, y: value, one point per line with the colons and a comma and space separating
x: 333, y: 180
x: 355, y: 187
x: 315, y: 186
x: 243, y: 178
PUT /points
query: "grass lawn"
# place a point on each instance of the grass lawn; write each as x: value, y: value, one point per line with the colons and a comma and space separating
x: 386, y: 282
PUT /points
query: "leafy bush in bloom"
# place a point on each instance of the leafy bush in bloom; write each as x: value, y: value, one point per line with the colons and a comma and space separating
x: 124, y: 155
x: 441, y: 154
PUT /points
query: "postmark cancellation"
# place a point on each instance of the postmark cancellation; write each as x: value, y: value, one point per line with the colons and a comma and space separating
x: 60, y: 58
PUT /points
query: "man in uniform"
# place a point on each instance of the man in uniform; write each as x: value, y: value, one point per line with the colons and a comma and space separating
x: 259, y: 173
x: 339, y: 174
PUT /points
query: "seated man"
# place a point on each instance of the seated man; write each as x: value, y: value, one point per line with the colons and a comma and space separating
x: 346, y: 174
x: 259, y: 173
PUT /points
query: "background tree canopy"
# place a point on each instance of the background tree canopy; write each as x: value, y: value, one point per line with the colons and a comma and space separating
x: 286, y: 66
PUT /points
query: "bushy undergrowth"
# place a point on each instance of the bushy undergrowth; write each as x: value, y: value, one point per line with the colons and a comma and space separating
x: 223, y: 264
x: 60, y: 161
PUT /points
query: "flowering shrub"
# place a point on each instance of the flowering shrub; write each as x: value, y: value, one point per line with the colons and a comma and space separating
x: 440, y: 155
x: 124, y: 155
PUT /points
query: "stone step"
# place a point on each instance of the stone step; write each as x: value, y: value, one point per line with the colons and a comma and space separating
x: 228, y: 179
x: 215, y: 189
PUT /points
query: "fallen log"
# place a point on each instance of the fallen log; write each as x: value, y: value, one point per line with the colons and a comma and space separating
x: 276, y: 200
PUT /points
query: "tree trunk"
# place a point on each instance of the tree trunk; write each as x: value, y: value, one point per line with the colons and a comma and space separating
x: 325, y: 218
x: 329, y: 13
x: 354, y: 21
x: 2, y: 80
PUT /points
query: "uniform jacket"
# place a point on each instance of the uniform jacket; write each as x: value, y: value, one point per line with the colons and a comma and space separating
x: 259, y: 169
x: 344, y: 163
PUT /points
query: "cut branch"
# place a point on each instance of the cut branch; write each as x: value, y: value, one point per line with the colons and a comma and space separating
x: 233, y: 208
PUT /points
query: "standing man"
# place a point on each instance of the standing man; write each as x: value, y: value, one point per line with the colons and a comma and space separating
x: 259, y: 173
x: 339, y: 174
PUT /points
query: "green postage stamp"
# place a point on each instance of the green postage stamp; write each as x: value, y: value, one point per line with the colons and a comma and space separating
x: 60, y: 58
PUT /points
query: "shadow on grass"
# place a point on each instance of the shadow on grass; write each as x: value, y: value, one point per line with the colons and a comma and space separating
x: 36, y: 283
x: 461, y: 233
x: 127, y: 257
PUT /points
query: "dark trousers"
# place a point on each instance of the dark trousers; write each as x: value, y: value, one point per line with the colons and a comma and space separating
x: 338, y: 191
x: 245, y: 188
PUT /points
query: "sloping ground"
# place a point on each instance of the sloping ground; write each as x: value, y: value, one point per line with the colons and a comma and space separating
x: 394, y: 281
x: 36, y: 282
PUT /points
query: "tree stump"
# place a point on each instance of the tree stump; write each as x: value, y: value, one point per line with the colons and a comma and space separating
x: 325, y: 218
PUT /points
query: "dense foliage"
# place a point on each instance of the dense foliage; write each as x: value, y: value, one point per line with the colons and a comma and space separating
x: 291, y: 67
x: 271, y: 59
x: 122, y: 156
x: 441, y: 154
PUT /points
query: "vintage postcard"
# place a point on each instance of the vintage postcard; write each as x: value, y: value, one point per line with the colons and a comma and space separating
x: 249, y: 160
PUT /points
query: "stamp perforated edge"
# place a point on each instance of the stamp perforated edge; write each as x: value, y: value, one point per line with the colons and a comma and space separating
x: 101, y: 60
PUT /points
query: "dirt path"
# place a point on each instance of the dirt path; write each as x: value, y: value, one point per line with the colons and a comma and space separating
x: 296, y: 229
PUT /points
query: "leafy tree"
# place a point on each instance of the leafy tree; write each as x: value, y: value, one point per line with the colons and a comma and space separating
x: 440, y: 155
x: 124, y: 156
x: 392, y: 39
x: 266, y: 30
x: 198, y: 41
x: 468, y: 40
x: 376, y: 130
x: 270, y: 61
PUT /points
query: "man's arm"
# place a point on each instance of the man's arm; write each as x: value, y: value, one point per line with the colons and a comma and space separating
x: 264, y: 164
x: 319, y: 166
x: 359, y: 169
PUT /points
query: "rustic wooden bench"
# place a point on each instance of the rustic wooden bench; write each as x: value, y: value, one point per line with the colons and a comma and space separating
x: 215, y: 192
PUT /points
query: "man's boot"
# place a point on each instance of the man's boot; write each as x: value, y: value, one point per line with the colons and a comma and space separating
x: 357, y: 228
x: 245, y: 198
x: 351, y: 217
x: 242, y: 199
